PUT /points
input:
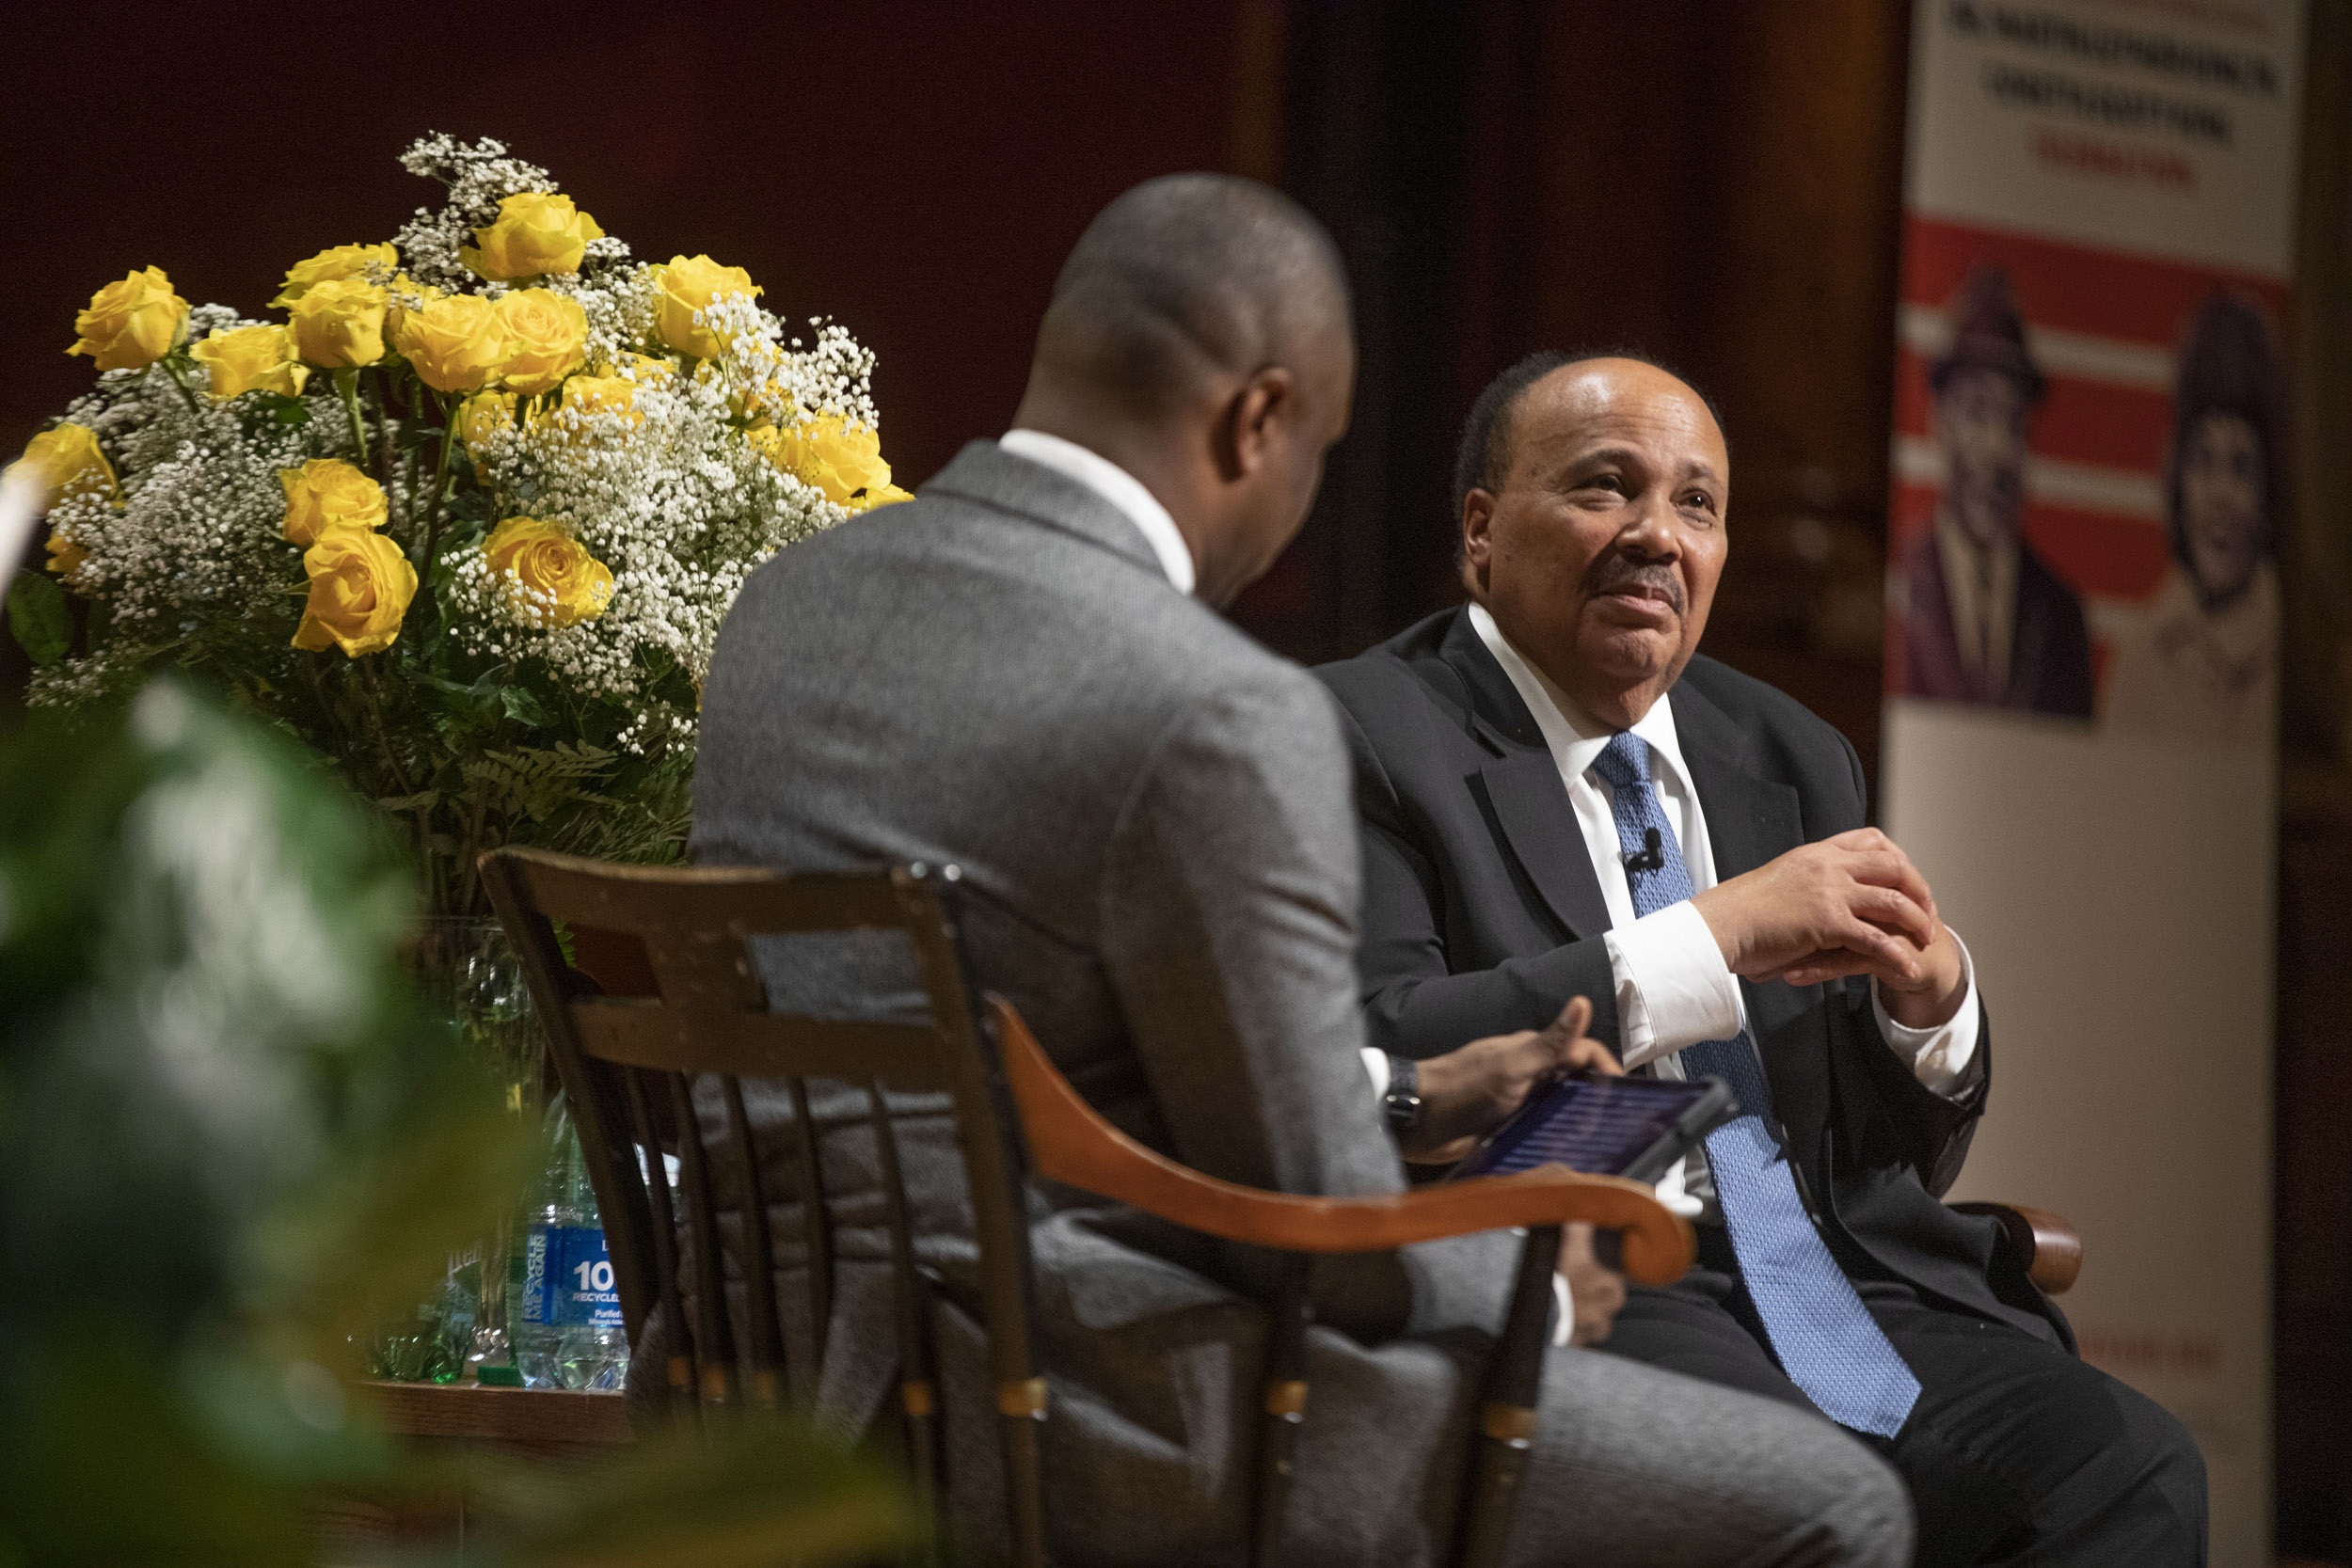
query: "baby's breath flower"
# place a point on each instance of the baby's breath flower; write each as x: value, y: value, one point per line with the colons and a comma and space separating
x: 665, y: 491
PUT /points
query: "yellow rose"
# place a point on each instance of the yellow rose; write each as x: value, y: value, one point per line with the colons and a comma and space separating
x: 65, y: 556
x: 65, y: 459
x: 547, y: 338
x: 551, y: 580
x: 453, y: 344
x: 132, y: 322
x: 402, y: 296
x: 327, y: 493
x: 886, y: 495
x: 250, y: 359
x: 688, y: 284
x: 535, y: 233
x: 603, y: 394
x: 339, y: 325
x: 842, y: 460
x: 483, y: 415
x: 360, y: 585
x: 334, y: 265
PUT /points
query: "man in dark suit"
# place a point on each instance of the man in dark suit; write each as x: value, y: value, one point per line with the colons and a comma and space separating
x: 1559, y: 800
x: 1983, y: 619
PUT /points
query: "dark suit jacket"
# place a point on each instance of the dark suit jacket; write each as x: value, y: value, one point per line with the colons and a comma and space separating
x: 2049, y: 661
x: 1482, y: 915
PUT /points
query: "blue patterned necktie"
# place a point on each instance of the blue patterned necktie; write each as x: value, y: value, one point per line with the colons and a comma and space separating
x: 1827, y: 1341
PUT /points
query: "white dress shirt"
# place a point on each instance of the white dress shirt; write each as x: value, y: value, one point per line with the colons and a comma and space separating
x: 1673, y: 988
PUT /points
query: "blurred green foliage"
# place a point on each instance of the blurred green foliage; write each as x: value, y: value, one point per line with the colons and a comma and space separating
x: 231, y: 1144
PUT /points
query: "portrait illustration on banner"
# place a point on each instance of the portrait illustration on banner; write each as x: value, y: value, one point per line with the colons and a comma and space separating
x: 2090, y: 488
x: 2205, y: 663
x: 1985, y: 620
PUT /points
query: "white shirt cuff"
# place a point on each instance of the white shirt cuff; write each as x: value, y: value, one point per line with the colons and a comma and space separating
x: 1674, y: 1191
x: 1564, y: 1325
x: 1377, y: 1065
x: 1674, y: 989
x: 1942, y: 1057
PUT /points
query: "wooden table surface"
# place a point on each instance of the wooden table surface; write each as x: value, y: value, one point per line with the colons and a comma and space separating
x: 540, y: 1426
x: 504, y: 1418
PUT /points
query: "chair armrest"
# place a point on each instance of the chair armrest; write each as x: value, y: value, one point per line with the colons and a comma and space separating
x: 2052, y: 1250
x: 1069, y: 1142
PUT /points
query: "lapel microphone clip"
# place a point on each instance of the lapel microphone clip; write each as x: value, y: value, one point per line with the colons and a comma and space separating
x: 1649, y: 857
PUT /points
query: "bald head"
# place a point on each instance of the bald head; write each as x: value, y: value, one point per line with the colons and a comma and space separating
x: 1198, y: 337
x: 1187, y: 278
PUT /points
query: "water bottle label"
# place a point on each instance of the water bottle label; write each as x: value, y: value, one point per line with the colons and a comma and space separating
x: 567, y: 1279
x: 587, y: 1295
x: 543, y: 1255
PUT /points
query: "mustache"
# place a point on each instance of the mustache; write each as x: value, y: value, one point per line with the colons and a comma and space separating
x: 1655, y: 579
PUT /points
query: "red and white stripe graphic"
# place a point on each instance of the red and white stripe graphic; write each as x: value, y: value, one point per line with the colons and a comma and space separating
x: 2103, y: 327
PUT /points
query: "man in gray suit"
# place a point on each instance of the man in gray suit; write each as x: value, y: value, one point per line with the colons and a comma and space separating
x: 1022, y: 673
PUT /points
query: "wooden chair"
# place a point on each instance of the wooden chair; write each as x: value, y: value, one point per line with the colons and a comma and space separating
x: 2043, y: 1241
x: 679, y: 998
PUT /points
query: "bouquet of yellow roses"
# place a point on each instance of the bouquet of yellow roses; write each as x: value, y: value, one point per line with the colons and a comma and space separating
x: 466, y: 520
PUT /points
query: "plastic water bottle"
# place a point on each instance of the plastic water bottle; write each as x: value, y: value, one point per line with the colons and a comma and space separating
x: 594, y: 1340
x: 566, y: 1329
x: 538, y: 1254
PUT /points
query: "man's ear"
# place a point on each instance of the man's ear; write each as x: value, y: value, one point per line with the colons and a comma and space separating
x: 1478, y: 515
x: 1245, y: 431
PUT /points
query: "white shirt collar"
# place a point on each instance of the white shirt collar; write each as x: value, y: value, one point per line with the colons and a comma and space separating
x: 1576, y: 737
x: 1116, y: 486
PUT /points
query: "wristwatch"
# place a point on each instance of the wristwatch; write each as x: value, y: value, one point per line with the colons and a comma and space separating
x: 1402, y: 1102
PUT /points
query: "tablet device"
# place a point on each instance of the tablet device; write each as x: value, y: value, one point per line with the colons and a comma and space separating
x: 1635, y: 1128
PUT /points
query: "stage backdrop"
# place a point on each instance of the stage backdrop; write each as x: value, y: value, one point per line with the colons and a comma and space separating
x: 2089, y: 472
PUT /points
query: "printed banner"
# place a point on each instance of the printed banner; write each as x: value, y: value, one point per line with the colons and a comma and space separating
x: 2091, y: 475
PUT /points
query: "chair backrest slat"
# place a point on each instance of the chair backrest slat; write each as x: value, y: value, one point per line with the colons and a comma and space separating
x: 998, y: 1179
x: 714, y: 1335
x: 600, y: 1110
x: 918, y: 1375
x: 815, y: 1223
x: 679, y: 1369
x: 646, y: 900
x: 759, y: 1269
x: 639, y: 1032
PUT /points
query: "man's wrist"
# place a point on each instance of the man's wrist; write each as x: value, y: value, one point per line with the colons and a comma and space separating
x: 1402, y: 1102
x: 1943, y: 988
x: 1712, y: 907
x: 1941, y: 1054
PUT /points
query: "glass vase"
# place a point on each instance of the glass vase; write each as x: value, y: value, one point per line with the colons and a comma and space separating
x: 468, y: 974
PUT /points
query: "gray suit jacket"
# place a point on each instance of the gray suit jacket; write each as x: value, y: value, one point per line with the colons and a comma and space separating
x: 1156, y: 815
